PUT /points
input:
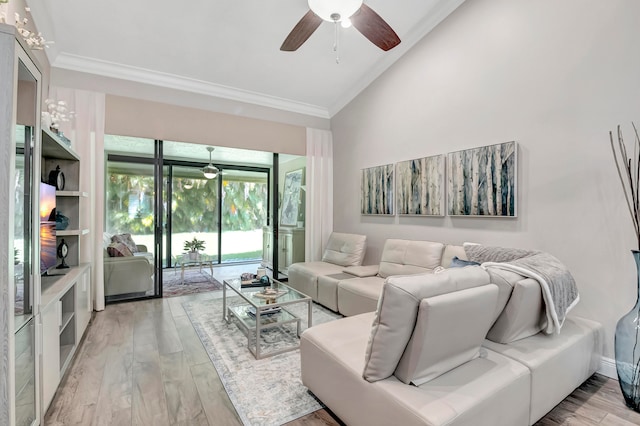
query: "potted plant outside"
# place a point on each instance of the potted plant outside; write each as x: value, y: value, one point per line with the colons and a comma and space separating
x: 193, y: 247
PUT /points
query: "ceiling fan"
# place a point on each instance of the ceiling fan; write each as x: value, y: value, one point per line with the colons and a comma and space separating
x: 346, y: 12
x: 210, y: 171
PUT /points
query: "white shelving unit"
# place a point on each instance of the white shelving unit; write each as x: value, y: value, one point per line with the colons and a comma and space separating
x: 39, y: 343
x: 20, y: 106
x: 55, y: 152
x: 65, y: 301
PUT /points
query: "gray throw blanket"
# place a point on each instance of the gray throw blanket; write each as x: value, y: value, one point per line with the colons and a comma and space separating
x: 559, y: 289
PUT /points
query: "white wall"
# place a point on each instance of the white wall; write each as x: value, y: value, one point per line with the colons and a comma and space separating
x: 141, y: 118
x: 555, y: 76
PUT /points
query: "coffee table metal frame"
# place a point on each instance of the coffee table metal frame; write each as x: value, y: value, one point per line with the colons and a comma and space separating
x: 250, y: 326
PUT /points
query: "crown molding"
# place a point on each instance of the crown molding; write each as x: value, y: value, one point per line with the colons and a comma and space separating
x: 438, y: 14
x: 125, y: 72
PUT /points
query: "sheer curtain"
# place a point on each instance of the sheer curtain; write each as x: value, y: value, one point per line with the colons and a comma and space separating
x: 86, y: 132
x: 319, y: 193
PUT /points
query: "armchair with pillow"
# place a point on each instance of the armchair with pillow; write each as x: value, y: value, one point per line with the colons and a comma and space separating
x: 128, y: 267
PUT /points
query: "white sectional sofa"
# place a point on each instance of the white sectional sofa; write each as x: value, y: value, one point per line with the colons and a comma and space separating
x: 463, y: 346
x: 351, y: 289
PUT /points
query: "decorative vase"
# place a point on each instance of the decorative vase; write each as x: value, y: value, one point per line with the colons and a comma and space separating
x: 62, y: 222
x: 627, y: 349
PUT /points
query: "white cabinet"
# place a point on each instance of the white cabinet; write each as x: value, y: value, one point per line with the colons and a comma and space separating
x: 65, y: 313
x: 83, y: 305
x: 267, y: 247
x: 50, y: 370
x: 290, y: 247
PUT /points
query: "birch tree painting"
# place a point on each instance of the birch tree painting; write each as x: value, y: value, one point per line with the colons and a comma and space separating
x: 482, y: 181
x: 377, y: 190
x: 421, y: 186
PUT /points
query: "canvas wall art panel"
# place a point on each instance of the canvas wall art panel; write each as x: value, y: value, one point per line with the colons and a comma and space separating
x: 291, y: 198
x: 482, y: 181
x: 377, y: 190
x: 420, y: 188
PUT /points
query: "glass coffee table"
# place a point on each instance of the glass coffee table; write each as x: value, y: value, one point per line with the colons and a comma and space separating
x: 253, y: 325
x: 186, y: 260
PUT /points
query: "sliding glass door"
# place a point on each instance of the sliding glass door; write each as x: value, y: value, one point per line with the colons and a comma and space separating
x: 230, y: 225
x: 156, y: 191
x: 130, y: 209
x: 194, y: 211
x: 244, y: 213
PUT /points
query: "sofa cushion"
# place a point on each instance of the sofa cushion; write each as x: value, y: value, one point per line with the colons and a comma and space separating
x: 126, y: 240
x: 451, y: 251
x: 303, y: 276
x: 397, y: 311
x: 328, y: 289
x: 117, y: 249
x: 449, y: 331
x: 521, y: 311
x: 406, y: 257
x: 558, y: 362
x: 345, y: 249
x: 359, y: 295
x: 362, y: 271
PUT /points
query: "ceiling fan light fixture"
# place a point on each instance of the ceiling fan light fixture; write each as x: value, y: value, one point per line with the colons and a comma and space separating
x: 346, y: 23
x: 210, y: 171
x: 343, y: 8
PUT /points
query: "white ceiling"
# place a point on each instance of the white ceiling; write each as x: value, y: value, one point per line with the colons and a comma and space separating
x: 229, y: 48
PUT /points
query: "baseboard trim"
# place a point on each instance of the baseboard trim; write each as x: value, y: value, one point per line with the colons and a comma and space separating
x: 608, y: 368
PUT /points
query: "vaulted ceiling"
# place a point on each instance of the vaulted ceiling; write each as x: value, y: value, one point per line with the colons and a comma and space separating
x: 229, y: 48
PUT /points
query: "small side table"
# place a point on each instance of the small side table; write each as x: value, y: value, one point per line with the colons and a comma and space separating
x: 187, y: 259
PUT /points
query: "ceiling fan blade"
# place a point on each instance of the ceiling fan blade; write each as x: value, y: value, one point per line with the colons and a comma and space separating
x: 301, y: 32
x: 373, y: 27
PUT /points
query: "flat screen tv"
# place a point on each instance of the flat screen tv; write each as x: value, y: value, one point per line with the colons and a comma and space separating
x: 47, y: 227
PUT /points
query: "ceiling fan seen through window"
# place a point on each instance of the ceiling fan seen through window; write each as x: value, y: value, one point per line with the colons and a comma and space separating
x: 210, y: 171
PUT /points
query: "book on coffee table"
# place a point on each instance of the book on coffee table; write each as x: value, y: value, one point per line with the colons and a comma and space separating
x: 252, y: 283
x: 269, y: 311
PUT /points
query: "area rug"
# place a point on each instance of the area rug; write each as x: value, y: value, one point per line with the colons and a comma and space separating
x: 195, y: 281
x: 264, y: 392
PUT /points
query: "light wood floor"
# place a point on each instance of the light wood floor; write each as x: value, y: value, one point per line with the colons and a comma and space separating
x: 141, y: 363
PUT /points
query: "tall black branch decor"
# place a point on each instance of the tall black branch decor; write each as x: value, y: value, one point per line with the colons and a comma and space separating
x: 627, y: 337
